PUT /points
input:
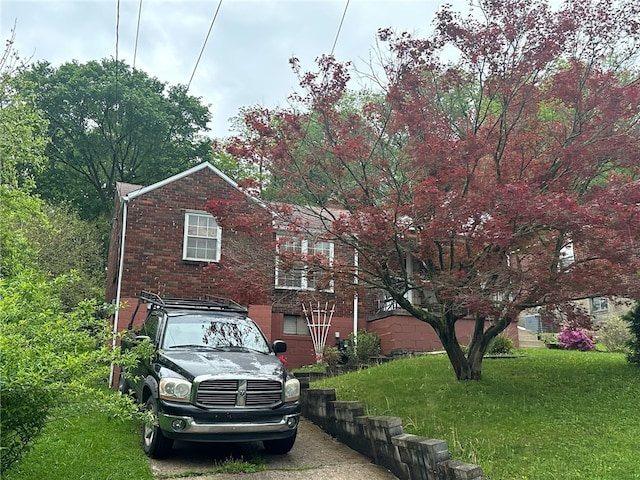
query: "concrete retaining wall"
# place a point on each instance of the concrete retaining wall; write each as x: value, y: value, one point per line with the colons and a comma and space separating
x: 381, y: 438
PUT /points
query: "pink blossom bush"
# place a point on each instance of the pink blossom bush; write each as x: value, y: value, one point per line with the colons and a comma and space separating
x: 576, y: 339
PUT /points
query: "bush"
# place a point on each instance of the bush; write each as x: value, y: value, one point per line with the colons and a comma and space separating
x: 550, y: 339
x: 576, y: 339
x: 500, y: 345
x: 362, y: 346
x: 332, y: 356
x: 49, y: 355
x: 615, y: 335
x: 632, y: 317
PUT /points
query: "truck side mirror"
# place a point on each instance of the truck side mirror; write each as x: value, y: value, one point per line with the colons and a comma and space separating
x: 279, y: 346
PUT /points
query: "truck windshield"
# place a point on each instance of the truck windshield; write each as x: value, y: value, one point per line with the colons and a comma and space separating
x: 207, y: 331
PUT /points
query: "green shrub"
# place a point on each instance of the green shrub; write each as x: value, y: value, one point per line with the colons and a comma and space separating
x: 550, y: 339
x: 49, y: 355
x: 632, y: 317
x: 615, y: 335
x: 500, y: 345
x: 362, y: 346
x: 332, y: 356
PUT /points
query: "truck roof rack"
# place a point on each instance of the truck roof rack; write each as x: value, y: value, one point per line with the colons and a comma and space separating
x: 208, y: 303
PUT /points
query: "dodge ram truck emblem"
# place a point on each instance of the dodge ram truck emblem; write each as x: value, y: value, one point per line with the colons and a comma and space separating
x: 242, y: 391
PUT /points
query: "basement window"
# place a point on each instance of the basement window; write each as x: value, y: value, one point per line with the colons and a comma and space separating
x: 202, y: 237
x: 295, y: 325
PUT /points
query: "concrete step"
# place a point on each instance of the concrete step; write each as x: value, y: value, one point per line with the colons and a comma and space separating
x: 528, y: 339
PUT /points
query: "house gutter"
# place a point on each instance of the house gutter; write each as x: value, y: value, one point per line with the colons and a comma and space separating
x: 116, y: 315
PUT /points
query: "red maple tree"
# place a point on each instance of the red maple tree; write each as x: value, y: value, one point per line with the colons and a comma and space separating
x: 464, y: 184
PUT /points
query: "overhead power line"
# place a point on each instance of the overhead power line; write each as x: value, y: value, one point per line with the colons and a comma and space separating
x: 344, y: 14
x: 135, y: 48
x: 213, y: 20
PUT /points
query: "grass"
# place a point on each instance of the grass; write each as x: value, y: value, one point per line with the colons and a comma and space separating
x: 77, y: 445
x: 84, y: 446
x: 553, y: 414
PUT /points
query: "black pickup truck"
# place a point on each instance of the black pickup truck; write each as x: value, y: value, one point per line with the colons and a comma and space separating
x: 213, y: 377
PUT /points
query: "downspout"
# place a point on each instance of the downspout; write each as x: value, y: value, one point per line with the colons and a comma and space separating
x: 116, y: 315
x: 355, y: 296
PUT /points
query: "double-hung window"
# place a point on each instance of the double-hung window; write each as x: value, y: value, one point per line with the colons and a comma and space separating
x: 599, y: 304
x: 295, y: 325
x: 202, y: 237
x: 298, y: 275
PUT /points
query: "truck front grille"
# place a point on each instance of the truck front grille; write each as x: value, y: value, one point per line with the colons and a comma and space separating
x: 239, y: 393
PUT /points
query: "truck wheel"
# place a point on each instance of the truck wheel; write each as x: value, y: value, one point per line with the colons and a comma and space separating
x: 280, y: 447
x: 154, y: 443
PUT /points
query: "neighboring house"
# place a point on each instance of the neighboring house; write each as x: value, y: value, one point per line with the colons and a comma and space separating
x: 600, y: 309
x: 162, y: 239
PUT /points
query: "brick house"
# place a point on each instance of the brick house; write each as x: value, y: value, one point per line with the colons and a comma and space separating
x: 162, y: 240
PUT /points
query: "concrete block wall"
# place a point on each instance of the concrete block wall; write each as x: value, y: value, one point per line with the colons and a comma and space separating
x: 382, y: 439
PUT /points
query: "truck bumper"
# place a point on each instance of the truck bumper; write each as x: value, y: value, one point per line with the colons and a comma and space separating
x: 211, y: 428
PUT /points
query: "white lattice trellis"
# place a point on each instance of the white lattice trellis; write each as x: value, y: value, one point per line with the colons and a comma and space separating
x: 319, y: 322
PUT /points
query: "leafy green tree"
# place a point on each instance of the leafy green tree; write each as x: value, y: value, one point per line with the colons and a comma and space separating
x: 52, y: 240
x: 20, y: 214
x: 22, y: 126
x: 110, y: 123
x: 54, y: 346
x: 633, y: 319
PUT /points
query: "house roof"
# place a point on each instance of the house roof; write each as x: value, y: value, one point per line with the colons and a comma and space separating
x: 130, y: 191
x: 123, y: 188
x: 308, y: 217
x: 305, y: 216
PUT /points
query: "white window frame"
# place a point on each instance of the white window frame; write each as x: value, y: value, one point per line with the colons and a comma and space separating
x: 599, y: 304
x: 218, y: 237
x: 304, y: 250
x: 567, y: 258
x: 301, y: 326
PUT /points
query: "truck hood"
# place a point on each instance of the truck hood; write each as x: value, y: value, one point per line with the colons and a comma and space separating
x: 193, y: 363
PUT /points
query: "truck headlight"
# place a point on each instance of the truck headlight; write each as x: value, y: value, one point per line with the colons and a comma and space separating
x: 292, y: 390
x: 175, y: 389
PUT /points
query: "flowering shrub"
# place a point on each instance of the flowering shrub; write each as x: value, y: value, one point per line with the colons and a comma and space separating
x: 576, y: 339
x: 332, y: 356
x: 283, y: 359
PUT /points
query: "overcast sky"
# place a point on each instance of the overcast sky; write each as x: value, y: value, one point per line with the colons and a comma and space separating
x: 245, y: 61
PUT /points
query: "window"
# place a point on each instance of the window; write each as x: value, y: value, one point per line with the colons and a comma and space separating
x: 295, y: 325
x: 567, y: 257
x: 299, y: 276
x: 599, y: 304
x: 201, y: 237
x: 150, y: 326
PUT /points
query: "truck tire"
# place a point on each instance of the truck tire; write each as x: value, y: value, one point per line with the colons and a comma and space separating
x: 280, y: 447
x: 154, y: 443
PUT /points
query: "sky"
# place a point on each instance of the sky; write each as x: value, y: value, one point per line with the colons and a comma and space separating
x: 245, y: 61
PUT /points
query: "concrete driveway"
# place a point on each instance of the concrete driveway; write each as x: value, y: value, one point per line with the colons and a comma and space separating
x: 315, y: 455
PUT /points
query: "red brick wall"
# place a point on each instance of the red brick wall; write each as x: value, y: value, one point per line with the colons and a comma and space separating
x: 261, y: 314
x: 403, y: 332
x: 154, y: 237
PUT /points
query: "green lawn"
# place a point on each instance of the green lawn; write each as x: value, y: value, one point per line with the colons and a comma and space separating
x: 551, y: 415
x: 76, y: 445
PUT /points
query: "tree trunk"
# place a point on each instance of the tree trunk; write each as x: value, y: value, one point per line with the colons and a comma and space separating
x: 469, y: 366
x: 459, y: 361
